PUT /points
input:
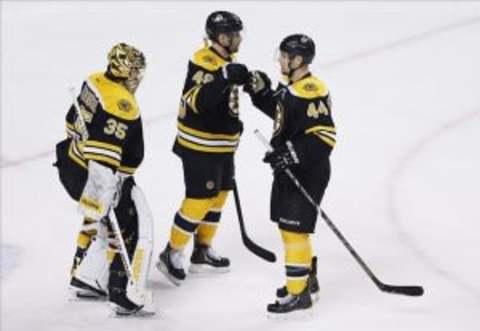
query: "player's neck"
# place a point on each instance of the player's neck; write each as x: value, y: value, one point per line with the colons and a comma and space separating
x: 299, y: 73
x: 221, y: 50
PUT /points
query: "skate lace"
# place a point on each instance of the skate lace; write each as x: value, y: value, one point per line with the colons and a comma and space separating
x: 212, y: 254
x: 176, y: 257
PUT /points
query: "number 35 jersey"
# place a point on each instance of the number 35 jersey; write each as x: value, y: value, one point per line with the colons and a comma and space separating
x: 113, y: 126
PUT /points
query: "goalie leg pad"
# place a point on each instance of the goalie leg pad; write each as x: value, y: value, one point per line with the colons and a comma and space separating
x: 99, y: 192
x: 136, y: 224
x: 143, y: 250
x: 93, y: 268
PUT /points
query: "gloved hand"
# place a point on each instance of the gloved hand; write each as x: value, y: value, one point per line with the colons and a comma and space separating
x: 235, y: 73
x: 258, y: 82
x: 282, y: 158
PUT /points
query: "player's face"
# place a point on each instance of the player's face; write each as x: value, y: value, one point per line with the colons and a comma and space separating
x: 136, y: 77
x: 284, y: 61
x: 235, y: 41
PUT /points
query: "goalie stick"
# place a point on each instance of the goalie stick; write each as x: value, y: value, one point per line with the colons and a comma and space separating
x: 252, y: 247
x: 395, y: 289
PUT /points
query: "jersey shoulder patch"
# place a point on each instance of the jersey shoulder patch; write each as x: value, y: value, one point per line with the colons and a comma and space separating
x: 114, y: 98
x: 309, y: 88
x: 207, y: 59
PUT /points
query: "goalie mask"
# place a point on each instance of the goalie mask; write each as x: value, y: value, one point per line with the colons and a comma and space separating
x: 128, y: 64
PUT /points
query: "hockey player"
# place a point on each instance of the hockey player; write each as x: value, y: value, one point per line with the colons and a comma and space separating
x: 209, y: 130
x: 96, y: 163
x: 303, y: 138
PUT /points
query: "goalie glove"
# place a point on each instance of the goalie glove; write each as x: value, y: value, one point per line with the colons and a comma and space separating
x: 282, y: 158
x: 100, y: 191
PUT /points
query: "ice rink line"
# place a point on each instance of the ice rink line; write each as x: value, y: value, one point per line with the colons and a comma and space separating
x: 399, y: 171
x: 5, y: 163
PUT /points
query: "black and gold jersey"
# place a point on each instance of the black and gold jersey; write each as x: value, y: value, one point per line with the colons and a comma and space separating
x: 208, y: 118
x: 113, y: 123
x: 302, y: 113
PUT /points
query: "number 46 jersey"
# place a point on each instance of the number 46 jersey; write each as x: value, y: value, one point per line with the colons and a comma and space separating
x: 113, y: 126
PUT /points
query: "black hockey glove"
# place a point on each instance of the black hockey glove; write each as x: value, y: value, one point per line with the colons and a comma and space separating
x: 258, y: 82
x: 235, y: 73
x: 282, y: 158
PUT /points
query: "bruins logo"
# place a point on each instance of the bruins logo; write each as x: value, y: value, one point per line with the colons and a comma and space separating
x: 310, y: 87
x: 210, y: 185
x: 209, y: 59
x: 124, y: 105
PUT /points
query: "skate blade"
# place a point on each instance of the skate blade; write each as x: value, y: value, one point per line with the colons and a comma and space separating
x: 164, y: 270
x: 85, y: 296
x: 141, y: 314
x: 147, y: 311
x: 207, y: 269
x: 297, y: 315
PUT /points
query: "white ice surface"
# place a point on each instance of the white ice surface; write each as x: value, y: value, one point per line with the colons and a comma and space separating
x: 405, y: 82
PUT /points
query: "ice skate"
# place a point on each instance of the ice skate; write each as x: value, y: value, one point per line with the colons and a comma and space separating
x: 314, y: 288
x: 205, y: 260
x: 292, y: 306
x: 170, y: 263
x: 82, y: 290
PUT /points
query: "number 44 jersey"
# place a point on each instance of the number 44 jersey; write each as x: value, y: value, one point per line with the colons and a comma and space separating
x: 113, y: 126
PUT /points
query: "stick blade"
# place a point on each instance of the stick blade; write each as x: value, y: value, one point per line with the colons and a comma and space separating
x: 259, y: 251
x: 414, y: 291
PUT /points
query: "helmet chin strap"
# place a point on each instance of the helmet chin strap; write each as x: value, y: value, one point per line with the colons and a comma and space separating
x: 228, y: 47
x: 291, y: 70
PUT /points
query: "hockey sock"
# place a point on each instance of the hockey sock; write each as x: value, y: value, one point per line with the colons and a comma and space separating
x: 187, y: 220
x: 298, y: 257
x: 208, y: 227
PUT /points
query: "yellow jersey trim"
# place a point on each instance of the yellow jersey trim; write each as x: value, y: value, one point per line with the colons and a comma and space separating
x: 102, y: 158
x: 75, y: 158
x: 309, y: 88
x: 206, y: 135
x: 127, y: 170
x: 114, y: 98
x: 207, y: 149
x: 95, y: 143
x: 207, y: 59
x: 321, y: 128
x: 330, y: 142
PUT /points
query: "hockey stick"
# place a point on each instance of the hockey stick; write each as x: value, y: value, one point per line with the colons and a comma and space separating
x: 405, y: 290
x: 252, y: 247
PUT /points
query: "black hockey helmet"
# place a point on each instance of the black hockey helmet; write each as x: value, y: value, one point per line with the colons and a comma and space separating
x: 222, y: 22
x: 299, y: 44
